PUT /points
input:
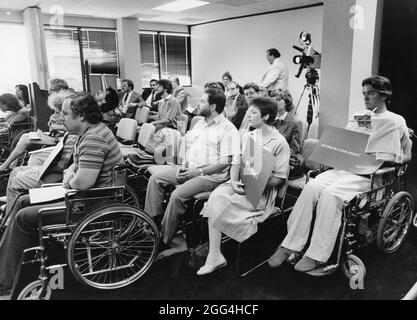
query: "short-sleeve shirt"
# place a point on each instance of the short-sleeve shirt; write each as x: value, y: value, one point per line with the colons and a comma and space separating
x: 278, y: 146
x: 97, y: 148
x: 213, y: 143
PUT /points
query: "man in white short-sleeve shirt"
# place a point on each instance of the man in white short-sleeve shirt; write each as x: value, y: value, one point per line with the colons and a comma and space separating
x: 210, y: 148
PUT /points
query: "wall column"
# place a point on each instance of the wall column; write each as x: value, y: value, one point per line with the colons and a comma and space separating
x: 351, y: 36
x: 32, y: 19
x: 129, y: 51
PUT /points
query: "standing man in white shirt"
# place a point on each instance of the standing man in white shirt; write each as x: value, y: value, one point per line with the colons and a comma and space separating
x: 276, y: 78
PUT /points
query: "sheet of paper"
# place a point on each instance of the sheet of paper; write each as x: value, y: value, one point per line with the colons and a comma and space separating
x: 40, y: 195
x: 345, y: 150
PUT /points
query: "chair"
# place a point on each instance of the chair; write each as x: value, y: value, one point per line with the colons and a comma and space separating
x: 142, y: 114
x: 194, y: 121
x: 182, y: 122
x: 306, y: 151
x: 126, y: 130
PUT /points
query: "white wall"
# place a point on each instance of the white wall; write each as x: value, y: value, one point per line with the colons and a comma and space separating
x: 239, y: 46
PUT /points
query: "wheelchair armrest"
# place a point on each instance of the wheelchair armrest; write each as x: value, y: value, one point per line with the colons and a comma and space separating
x: 46, y: 185
x: 384, y: 171
x: 91, y: 191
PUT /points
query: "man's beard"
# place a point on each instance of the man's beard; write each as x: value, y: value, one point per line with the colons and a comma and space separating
x: 205, y: 113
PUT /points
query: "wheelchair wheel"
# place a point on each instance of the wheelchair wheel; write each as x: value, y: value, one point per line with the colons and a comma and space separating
x: 112, y: 247
x: 33, y: 291
x: 130, y: 198
x: 352, y: 266
x: 395, y: 222
x: 415, y: 220
x: 17, y: 138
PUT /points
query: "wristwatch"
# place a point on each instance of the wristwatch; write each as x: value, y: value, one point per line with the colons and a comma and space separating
x: 201, y: 172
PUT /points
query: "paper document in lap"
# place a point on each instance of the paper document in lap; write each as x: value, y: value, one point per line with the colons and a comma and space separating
x: 40, y: 195
x: 345, y: 150
x: 257, y: 166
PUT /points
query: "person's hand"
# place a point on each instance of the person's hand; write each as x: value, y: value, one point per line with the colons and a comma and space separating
x: 52, y: 127
x: 237, y: 187
x: 158, y: 126
x: 68, y: 175
x: 132, y: 105
x: 184, y: 174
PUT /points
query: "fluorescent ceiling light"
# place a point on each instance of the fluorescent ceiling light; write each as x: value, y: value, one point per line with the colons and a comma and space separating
x: 181, y: 5
x: 8, y: 13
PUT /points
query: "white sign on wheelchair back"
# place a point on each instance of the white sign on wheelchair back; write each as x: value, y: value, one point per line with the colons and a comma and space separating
x: 345, y: 150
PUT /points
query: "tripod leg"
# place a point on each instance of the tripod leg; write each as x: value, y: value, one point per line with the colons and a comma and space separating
x: 299, y: 100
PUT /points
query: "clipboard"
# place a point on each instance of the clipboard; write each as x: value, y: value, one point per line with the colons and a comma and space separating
x: 256, y: 168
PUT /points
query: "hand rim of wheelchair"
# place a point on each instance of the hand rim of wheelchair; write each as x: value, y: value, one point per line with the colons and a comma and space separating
x: 128, y: 266
x: 33, y: 290
x: 415, y: 220
x: 391, y: 234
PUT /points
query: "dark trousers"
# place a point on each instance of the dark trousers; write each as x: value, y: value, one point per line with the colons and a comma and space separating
x: 21, y: 234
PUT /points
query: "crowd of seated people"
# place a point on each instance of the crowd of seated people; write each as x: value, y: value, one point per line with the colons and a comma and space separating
x: 96, y: 153
x: 212, y: 161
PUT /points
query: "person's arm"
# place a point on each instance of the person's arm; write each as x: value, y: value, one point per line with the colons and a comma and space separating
x: 84, y: 179
x: 407, y: 151
x: 296, y: 137
x: 270, y: 77
x: 188, y: 174
x: 173, y: 111
x: 90, y: 162
x: 57, y: 127
x: 20, y: 116
x: 181, y: 96
x: 274, y: 182
x: 69, y: 174
x: 281, y: 167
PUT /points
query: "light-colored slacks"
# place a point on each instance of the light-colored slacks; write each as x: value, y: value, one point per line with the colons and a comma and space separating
x: 159, y: 183
x: 329, y: 191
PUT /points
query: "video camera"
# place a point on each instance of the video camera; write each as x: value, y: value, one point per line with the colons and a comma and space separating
x: 310, y: 59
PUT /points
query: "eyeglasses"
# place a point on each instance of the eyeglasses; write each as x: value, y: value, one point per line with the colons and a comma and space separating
x: 230, y: 89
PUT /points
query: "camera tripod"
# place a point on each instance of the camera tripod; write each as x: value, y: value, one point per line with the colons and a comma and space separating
x: 313, y: 102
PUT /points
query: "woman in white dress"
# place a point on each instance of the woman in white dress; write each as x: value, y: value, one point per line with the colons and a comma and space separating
x: 228, y: 210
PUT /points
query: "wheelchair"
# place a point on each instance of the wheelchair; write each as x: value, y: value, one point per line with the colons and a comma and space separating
x: 109, y: 243
x: 9, y: 139
x: 381, y: 215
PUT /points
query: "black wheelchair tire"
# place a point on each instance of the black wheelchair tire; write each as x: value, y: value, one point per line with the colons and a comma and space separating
x: 114, y: 241
x: 387, y: 217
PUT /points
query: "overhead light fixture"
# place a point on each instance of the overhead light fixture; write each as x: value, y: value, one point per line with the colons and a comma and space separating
x: 8, y: 13
x: 181, y: 5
